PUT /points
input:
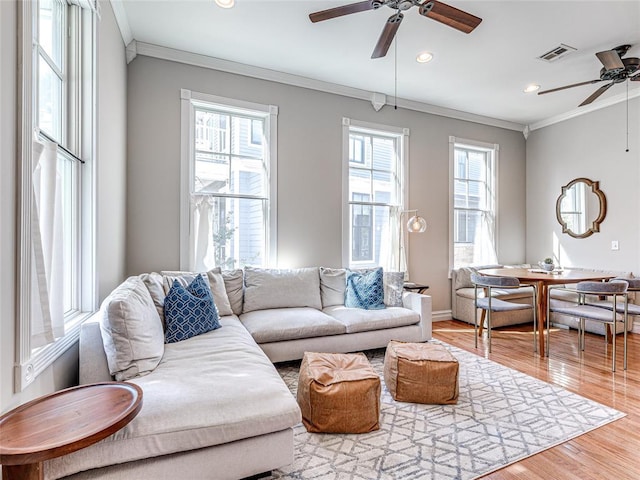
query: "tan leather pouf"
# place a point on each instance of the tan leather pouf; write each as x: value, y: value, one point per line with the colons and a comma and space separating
x: 421, y: 373
x: 338, y: 393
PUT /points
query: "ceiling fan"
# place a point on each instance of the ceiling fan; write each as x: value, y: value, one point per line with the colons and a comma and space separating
x: 441, y: 12
x: 616, y: 70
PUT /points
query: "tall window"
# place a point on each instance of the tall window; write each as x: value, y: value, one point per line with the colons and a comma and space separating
x: 228, y: 215
x: 473, y: 187
x: 57, y: 282
x: 374, y: 165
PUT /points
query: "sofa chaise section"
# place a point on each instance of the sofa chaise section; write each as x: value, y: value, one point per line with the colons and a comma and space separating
x: 191, y: 402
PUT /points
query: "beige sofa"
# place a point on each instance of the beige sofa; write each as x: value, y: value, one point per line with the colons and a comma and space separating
x: 214, y: 405
x: 463, y: 299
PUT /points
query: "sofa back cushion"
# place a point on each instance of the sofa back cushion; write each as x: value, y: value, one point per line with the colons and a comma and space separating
x: 279, y: 288
x: 216, y: 285
x: 131, y: 330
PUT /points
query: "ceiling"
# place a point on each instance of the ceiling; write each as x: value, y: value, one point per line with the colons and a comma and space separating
x: 482, y: 73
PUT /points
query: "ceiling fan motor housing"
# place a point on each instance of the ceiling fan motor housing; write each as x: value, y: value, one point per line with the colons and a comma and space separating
x: 631, y: 65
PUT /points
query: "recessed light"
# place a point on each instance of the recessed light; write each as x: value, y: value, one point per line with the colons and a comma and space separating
x: 424, y: 57
x: 225, y: 3
x: 531, y: 88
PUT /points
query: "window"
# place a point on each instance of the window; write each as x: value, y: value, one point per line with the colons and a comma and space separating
x: 473, y: 203
x: 228, y: 212
x: 375, y: 165
x: 57, y: 198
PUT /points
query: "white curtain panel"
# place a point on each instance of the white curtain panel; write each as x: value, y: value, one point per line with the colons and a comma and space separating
x: 202, y: 256
x: 484, y: 251
x: 393, y: 256
x: 47, y: 274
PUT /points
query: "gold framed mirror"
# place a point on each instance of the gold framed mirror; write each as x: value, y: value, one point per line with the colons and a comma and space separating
x: 581, y: 208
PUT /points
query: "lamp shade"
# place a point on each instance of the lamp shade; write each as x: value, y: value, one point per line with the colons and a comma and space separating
x: 225, y: 3
x: 416, y: 224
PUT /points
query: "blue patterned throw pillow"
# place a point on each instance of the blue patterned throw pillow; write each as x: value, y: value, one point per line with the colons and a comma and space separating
x: 365, y: 290
x: 189, y: 311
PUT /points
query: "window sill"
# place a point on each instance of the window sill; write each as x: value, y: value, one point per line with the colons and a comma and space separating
x: 26, y: 373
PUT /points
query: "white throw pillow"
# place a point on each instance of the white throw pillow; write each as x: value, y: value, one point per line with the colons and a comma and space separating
x: 333, y: 283
x: 131, y: 329
x: 393, y: 288
x: 274, y: 288
x: 234, y: 285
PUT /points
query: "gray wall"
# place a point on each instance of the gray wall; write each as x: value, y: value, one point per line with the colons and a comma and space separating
x: 110, y: 193
x: 309, y: 171
x: 592, y: 146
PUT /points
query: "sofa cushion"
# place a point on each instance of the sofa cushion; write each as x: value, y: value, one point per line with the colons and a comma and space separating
x: 358, y: 320
x: 208, y: 390
x: 153, y: 281
x: 365, y: 290
x: 216, y: 285
x: 190, y: 310
x: 281, y: 288
x: 234, y: 285
x: 333, y: 283
x: 281, y: 324
x: 131, y: 330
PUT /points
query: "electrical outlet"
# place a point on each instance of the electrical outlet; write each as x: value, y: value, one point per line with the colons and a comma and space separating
x: 615, y: 245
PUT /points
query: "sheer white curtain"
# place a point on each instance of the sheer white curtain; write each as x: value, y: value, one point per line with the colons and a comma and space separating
x: 393, y: 256
x: 47, y: 274
x: 484, y: 249
x: 202, y: 255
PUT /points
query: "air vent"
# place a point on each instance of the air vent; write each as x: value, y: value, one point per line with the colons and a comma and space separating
x: 554, y: 54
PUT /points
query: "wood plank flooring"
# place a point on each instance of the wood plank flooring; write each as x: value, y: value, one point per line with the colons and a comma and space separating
x: 607, y: 453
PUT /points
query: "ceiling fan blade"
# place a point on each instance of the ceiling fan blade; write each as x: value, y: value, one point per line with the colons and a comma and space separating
x: 387, y: 35
x: 569, y: 86
x: 340, y: 11
x: 443, y: 13
x: 611, y: 60
x: 596, y: 94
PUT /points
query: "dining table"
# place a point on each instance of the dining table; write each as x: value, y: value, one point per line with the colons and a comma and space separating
x: 543, y: 280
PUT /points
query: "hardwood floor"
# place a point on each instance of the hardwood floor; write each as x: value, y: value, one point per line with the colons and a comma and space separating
x: 607, y: 453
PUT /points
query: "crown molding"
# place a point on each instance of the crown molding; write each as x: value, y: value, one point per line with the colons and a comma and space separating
x: 213, y: 63
x: 622, y: 97
x: 123, y: 21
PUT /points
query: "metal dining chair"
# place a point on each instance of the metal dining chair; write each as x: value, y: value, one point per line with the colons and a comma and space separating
x: 490, y: 304
x: 586, y: 309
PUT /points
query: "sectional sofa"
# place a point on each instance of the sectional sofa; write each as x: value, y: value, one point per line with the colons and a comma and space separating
x: 214, y: 405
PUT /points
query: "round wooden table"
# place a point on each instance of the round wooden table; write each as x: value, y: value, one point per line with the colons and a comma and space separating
x: 61, y: 423
x: 542, y: 280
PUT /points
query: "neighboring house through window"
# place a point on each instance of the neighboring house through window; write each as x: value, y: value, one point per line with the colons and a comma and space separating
x: 228, y: 214
x: 473, y: 167
x: 56, y: 271
x: 375, y: 163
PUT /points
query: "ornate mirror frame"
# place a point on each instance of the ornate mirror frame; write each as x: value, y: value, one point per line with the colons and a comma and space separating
x: 595, y: 225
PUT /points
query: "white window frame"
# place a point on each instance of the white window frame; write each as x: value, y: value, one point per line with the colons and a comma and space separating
x: 402, y: 135
x: 187, y: 99
x: 31, y: 362
x: 492, y: 148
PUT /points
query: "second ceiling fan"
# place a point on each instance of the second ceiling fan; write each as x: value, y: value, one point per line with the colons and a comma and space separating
x: 441, y: 12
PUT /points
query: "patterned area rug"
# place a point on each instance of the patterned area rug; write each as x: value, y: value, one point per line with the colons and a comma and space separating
x: 502, y: 416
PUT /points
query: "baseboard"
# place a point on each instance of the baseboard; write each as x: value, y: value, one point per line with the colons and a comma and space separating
x: 441, y: 316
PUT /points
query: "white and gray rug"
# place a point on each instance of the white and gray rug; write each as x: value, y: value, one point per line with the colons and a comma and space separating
x: 502, y: 416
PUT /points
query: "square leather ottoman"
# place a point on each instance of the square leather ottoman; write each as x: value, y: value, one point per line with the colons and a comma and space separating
x: 338, y: 393
x: 421, y: 373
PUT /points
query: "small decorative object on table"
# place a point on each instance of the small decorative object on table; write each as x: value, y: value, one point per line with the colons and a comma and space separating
x: 547, y: 264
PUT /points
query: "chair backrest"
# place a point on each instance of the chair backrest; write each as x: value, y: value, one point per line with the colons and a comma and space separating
x: 490, y: 281
x: 603, y: 288
x: 634, y: 283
